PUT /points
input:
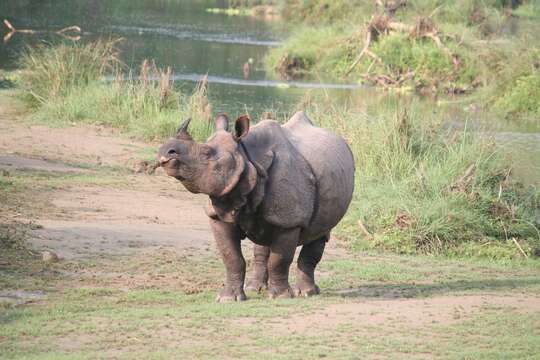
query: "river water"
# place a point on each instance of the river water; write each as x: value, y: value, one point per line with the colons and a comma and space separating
x: 193, y: 42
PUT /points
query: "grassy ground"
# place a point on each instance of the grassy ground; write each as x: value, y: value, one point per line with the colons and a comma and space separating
x: 160, y: 304
x: 372, y: 306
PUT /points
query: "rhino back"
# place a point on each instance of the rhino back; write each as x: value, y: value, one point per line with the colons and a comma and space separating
x: 332, y: 163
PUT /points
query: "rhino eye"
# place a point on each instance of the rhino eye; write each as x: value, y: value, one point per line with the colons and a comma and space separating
x: 172, y: 152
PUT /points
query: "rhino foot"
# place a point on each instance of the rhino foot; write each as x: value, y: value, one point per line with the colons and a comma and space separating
x: 256, y: 285
x: 229, y: 295
x: 306, y: 290
x: 284, y: 293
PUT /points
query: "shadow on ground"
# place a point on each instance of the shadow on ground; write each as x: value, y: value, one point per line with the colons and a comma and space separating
x: 396, y: 291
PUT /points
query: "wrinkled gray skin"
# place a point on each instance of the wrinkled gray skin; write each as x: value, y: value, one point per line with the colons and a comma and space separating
x: 280, y: 186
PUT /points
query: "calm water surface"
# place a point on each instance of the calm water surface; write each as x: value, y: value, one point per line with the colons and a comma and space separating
x: 193, y: 42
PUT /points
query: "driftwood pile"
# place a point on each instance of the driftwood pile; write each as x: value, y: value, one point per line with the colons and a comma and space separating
x: 383, y: 23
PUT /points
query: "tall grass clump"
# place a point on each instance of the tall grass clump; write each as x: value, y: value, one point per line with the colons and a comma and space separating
x: 54, y: 71
x: 423, y: 186
x: 72, y: 84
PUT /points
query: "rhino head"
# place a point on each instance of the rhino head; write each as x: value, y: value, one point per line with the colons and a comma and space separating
x: 214, y: 167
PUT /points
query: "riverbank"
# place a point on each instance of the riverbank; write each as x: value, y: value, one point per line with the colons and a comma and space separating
x: 136, y: 280
x: 445, y: 192
x: 483, y: 49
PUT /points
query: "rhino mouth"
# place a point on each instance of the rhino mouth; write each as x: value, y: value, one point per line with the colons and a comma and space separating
x: 171, y: 167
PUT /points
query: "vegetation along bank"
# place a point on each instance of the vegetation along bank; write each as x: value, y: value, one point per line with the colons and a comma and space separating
x: 444, y: 190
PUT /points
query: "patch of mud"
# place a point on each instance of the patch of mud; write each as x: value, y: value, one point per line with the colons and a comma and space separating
x: 85, y: 144
x: 17, y: 162
x: 96, y: 221
x: 72, y: 240
x: 408, y: 313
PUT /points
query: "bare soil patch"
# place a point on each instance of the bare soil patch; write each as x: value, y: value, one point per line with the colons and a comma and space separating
x: 81, y: 144
x: 405, y: 313
x: 96, y: 221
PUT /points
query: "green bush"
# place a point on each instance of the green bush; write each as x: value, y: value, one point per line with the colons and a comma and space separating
x: 429, y: 64
x: 522, y: 97
x: 310, y: 50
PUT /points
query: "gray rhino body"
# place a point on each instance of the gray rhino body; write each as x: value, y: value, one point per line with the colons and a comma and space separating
x: 280, y: 186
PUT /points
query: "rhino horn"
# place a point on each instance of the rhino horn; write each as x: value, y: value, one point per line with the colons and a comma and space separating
x: 182, y: 132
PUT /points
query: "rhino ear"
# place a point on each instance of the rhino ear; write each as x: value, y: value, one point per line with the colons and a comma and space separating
x: 182, y: 132
x: 241, y: 127
x: 222, y: 122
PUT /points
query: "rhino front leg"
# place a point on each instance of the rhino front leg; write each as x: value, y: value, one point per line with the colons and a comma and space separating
x: 228, y: 238
x: 259, y: 280
x: 309, y: 257
x: 281, y: 256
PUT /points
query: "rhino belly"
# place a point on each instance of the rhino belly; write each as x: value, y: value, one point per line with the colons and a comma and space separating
x: 333, y: 165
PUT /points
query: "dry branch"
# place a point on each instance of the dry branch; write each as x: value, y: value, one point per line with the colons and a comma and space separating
x: 465, y: 180
x: 62, y: 32
x: 519, y: 247
x: 367, y: 234
x: 383, y: 24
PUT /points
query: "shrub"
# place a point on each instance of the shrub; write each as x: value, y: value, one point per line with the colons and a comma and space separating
x: 522, y: 97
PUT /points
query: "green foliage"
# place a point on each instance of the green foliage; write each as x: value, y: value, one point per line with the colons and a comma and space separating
x: 428, y: 63
x: 522, y: 97
x: 310, y: 50
x: 530, y: 10
x: 66, y: 85
x: 443, y: 189
x: 327, y: 11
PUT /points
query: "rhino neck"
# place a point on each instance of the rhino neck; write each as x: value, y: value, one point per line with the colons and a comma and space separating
x: 228, y: 206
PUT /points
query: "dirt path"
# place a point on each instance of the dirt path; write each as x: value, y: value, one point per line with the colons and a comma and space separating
x: 147, y: 232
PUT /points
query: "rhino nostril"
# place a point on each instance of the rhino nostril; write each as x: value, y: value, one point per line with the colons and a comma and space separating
x: 172, y: 152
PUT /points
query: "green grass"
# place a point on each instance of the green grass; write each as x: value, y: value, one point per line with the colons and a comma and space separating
x: 424, y: 187
x: 109, y: 320
x: 522, y: 97
x: 66, y: 85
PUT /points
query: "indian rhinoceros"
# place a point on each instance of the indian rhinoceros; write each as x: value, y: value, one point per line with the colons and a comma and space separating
x: 281, y: 186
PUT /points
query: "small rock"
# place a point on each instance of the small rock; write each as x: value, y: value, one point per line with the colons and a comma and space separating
x: 49, y: 257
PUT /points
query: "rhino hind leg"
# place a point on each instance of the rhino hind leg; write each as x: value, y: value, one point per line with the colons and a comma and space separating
x: 228, y: 239
x: 259, y: 280
x: 281, y: 256
x: 309, y: 257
